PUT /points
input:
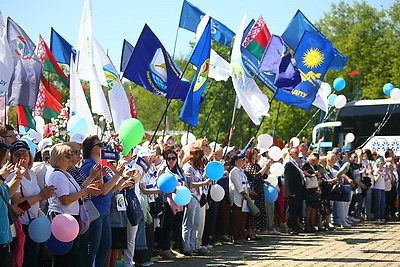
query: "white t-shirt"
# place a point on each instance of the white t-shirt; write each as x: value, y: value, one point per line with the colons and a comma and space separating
x: 380, y: 184
x: 29, y: 188
x: 65, y: 186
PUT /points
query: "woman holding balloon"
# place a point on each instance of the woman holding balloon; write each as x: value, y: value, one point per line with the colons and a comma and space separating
x: 100, y: 229
x: 173, y: 215
x: 194, y: 172
x: 66, y: 199
x: 30, y: 193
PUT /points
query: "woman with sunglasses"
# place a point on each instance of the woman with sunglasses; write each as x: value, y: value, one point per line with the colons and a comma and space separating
x: 193, y: 166
x: 29, y: 190
x: 66, y: 197
x: 173, y: 214
x: 100, y: 229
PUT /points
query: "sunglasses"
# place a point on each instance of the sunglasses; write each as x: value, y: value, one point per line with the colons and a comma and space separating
x: 68, y: 155
x: 101, y: 144
x: 172, y: 158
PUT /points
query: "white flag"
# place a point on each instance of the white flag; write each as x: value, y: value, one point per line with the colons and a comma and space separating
x: 78, y: 103
x: 220, y: 70
x: 119, y: 102
x: 86, y: 56
x: 6, y: 59
x: 254, y: 102
x: 321, y: 100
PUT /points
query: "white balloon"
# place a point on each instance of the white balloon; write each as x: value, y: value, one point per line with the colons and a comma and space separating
x: 35, y: 137
x: 217, y: 192
x: 39, y: 124
x: 275, y: 153
x: 325, y: 88
x: 295, y: 141
x: 272, y: 179
x: 285, y: 150
x: 277, y: 169
x: 187, y: 139
x: 265, y: 141
x: 349, y: 137
x: 340, y: 101
x: 395, y: 94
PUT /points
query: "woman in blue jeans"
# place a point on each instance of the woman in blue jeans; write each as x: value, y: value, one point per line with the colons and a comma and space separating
x: 100, y: 229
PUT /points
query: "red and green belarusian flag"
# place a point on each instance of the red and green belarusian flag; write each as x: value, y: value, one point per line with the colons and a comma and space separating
x: 46, y: 105
x: 257, y: 39
x: 25, y: 117
x: 49, y: 62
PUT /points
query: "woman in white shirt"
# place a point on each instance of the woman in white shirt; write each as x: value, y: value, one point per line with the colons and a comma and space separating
x: 67, y: 194
x: 28, y: 190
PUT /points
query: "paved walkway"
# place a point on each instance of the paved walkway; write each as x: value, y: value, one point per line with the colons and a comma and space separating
x: 367, y: 244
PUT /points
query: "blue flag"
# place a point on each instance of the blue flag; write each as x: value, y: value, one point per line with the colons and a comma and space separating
x: 277, y: 59
x: 151, y: 67
x: 127, y: 50
x: 313, y: 56
x: 200, y: 57
x: 190, y: 18
x: 251, y: 63
x: 295, y: 30
x: 60, y: 48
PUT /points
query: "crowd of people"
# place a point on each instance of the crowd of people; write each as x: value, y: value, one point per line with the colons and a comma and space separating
x: 317, y: 192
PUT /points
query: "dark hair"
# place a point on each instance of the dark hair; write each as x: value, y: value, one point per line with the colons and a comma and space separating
x: 196, y: 158
x: 387, y: 152
x: 369, y: 154
x: 249, y: 153
x: 234, y: 158
x: 87, y: 145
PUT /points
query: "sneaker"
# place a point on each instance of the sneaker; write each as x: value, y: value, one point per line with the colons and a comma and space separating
x: 209, y: 246
x: 145, y: 264
x: 167, y: 255
x: 355, y: 220
x: 349, y: 221
x: 226, y: 238
x: 274, y: 232
x: 346, y: 226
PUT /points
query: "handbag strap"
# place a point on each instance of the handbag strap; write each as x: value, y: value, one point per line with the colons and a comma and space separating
x: 79, y: 199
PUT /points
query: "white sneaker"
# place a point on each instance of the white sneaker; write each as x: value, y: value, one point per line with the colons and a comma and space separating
x: 209, y: 246
x: 274, y: 232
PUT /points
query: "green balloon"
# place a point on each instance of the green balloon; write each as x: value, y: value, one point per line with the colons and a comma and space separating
x: 131, y: 133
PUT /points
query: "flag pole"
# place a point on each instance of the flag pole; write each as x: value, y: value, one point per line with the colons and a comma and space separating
x: 176, y: 39
x: 168, y: 103
x: 308, y: 122
x: 276, y: 119
x: 209, y: 114
x: 222, y: 114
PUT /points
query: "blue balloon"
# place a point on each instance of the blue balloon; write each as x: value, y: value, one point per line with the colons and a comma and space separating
x: 331, y: 100
x: 214, y: 170
x: 77, y: 125
x: 339, y: 84
x: 166, y: 183
x: 387, y: 88
x: 182, y: 196
x: 32, y: 146
x: 57, y: 247
x: 270, y: 194
x: 40, y: 229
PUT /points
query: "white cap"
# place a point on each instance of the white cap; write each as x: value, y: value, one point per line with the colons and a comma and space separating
x: 263, y: 150
x: 227, y: 149
x: 145, y: 152
x: 44, y: 143
x: 78, y: 138
x: 136, y: 150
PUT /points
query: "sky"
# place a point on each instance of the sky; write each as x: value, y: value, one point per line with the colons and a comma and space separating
x: 114, y: 21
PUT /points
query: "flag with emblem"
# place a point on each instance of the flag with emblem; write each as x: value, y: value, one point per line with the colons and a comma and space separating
x: 257, y: 38
x: 151, y: 67
x: 61, y: 49
x: 46, y: 105
x: 191, y: 17
x: 6, y: 58
x: 119, y: 103
x: 49, y: 62
x: 254, y: 102
x: 313, y: 56
x: 200, y: 57
x: 295, y: 30
x: 24, y: 83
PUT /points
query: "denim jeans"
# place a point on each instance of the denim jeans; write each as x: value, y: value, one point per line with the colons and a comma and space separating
x: 191, y: 220
x: 99, y: 240
x: 379, y: 204
x: 368, y: 202
x: 129, y: 252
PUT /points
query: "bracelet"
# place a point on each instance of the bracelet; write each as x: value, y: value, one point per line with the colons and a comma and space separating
x: 18, y: 177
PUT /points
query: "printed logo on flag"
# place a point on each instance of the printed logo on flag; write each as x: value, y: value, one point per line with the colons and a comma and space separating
x: 157, y: 75
x: 203, y: 75
x: 312, y: 58
x: 23, y: 48
x: 111, y: 77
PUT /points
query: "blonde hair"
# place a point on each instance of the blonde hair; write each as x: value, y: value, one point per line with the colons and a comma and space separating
x: 73, y: 145
x: 56, y: 155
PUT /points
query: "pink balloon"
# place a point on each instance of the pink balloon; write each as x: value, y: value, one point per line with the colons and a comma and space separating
x: 65, y: 227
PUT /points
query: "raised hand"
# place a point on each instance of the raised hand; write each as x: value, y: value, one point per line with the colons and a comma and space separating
x: 7, y: 169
